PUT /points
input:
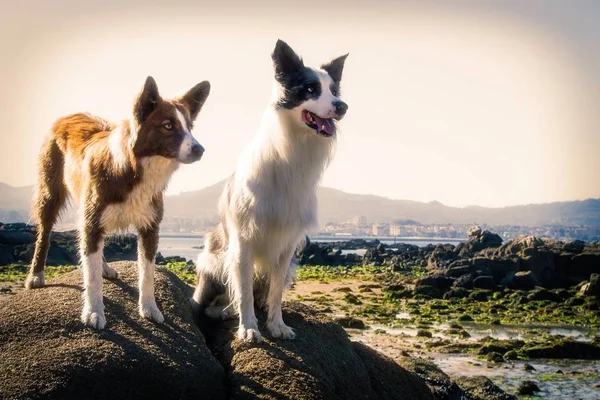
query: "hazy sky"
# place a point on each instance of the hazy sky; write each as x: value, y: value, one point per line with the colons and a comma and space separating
x: 491, y: 103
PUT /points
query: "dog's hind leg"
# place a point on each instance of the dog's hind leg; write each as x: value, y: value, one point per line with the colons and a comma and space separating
x: 205, y: 293
x: 239, y: 263
x: 279, y: 280
x: 108, y: 272
x: 50, y: 197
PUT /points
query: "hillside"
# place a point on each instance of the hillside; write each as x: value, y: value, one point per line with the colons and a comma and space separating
x: 338, y: 206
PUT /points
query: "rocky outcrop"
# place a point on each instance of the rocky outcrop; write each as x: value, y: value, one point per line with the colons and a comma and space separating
x: 17, y: 243
x: 482, y: 261
x: 47, y: 352
x: 523, y: 263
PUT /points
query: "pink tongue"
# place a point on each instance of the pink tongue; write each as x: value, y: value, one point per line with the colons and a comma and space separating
x: 324, y: 125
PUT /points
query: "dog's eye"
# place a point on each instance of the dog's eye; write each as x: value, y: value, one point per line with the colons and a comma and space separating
x: 310, y: 89
x: 168, y: 126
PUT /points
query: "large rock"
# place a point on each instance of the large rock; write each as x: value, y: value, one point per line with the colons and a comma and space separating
x: 479, y: 241
x: 523, y: 280
x: 48, y: 353
x: 583, y: 265
x: 499, y: 268
x: 320, y: 363
x: 441, y: 256
x: 464, y: 281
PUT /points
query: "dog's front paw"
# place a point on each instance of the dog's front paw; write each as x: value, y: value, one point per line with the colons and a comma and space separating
x: 150, y: 311
x: 281, y: 331
x: 108, y: 272
x: 35, y: 280
x: 95, y: 319
x: 249, y: 334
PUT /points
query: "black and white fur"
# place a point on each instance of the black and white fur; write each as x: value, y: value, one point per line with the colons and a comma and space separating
x: 269, y: 203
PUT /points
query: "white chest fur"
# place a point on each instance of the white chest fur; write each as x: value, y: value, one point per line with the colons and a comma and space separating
x: 137, y: 209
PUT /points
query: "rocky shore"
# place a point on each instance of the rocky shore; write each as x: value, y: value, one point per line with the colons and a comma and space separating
x: 482, y: 262
x: 17, y: 244
x: 47, y: 352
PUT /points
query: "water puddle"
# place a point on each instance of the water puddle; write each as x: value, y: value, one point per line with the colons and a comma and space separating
x: 557, y: 379
x: 500, y: 332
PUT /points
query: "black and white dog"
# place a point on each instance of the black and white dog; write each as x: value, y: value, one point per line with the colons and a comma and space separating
x: 269, y: 203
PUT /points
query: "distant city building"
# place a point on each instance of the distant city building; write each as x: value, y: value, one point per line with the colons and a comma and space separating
x: 357, y: 221
x: 395, y: 230
x: 380, y: 230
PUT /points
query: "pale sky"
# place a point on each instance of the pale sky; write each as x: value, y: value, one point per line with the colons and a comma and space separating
x: 468, y: 103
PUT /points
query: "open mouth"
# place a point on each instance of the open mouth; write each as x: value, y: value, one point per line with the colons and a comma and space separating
x: 323, y: 127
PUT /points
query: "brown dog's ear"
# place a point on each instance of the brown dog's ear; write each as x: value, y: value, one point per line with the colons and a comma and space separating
x: 147, y: 101
x: 335, y: 68
x: 194, y: 99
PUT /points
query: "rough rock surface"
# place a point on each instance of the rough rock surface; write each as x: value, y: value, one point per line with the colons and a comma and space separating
x: 46, y: 352
x: 321, y: 363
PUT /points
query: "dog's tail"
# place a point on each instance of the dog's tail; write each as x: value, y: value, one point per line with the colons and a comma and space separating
x: 49, y: 199
x: 210, y: 271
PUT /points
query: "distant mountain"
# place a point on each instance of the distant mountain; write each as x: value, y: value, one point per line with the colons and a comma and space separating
x: 15, y: 203
x: 338, y: 206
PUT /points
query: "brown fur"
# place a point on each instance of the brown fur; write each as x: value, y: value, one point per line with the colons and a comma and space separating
x: 101, y: 164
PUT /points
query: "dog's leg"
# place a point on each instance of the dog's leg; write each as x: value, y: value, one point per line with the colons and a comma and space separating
x: 277, y: 285
x: 240, y: 264
x: 147, y: 247
x: 91, y: 246
x: 50, y: 197
x: 205, y: 292
x: 36, y: 277
x: 107, y: 271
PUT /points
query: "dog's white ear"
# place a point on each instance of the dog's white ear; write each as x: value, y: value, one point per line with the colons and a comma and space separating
x: 146, y: 101
x: 194, y: 99
x: 285, y: 59
x: 335, y: 68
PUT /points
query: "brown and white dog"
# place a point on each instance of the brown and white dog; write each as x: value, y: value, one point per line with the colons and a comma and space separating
x: 116, y: 174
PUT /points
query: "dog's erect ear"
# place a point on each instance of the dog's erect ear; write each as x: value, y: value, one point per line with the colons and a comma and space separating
x: 147, y: 101
x: 285, y: 59
x: 335, y: 68
x: 194, y: 99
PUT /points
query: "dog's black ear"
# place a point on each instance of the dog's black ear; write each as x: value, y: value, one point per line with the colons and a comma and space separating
x: 285, y: 59
x: 335, y: 68
x: 194, y: 99
x: 147, y: 101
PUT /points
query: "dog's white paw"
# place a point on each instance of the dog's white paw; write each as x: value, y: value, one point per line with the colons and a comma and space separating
x: 35, y: 280
x: 95, y: 319
x: 281, y: 331
x: 150, y: 311
x: 108, y: 272
x: 249, y: 333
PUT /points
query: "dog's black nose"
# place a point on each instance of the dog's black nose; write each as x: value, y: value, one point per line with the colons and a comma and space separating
x: 197, y: 151
x: 340, y: 107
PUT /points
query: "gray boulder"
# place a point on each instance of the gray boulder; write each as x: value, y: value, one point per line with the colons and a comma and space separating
x: 523, y: 280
